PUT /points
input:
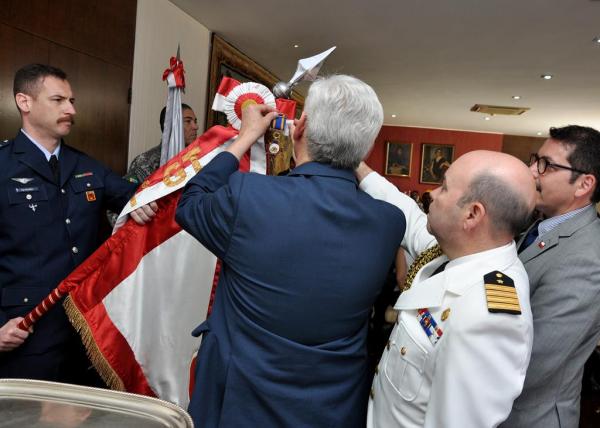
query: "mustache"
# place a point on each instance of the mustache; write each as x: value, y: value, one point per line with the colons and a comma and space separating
x: 68, y: 119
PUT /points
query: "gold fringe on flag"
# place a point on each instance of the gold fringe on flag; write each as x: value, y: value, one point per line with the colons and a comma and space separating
x: 104, y: 369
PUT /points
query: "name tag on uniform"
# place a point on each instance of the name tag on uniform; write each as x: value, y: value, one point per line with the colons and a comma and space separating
x: 27, y: 189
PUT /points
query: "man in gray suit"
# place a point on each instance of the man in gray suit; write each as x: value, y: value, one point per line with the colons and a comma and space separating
x: 562, y: 257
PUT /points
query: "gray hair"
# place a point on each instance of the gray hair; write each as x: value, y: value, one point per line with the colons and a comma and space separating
x: 344, y: 117
x: 508, y: 210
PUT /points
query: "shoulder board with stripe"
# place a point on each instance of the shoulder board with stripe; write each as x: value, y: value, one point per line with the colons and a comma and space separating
x: 501, y: 294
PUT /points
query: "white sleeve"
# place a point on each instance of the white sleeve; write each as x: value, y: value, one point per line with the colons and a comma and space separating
x: 417, y: 238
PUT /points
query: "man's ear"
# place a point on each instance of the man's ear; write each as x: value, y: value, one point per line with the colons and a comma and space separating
x: 474, y: 215
x: 587, y: 185
x: 300, y: 127
x: 23, y: 102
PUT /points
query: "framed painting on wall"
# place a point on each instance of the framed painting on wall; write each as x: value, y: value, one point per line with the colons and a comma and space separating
x: 435, y: 160
x: 398, y: 158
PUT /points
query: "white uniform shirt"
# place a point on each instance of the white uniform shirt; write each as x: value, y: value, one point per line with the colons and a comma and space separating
x: 472, y: 375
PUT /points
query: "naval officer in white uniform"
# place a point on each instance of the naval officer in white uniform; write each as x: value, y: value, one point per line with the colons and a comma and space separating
x: 460, y: 348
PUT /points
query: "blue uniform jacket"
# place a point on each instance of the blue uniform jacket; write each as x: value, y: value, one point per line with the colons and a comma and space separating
x: 46, y: 230
x: 305, y: 256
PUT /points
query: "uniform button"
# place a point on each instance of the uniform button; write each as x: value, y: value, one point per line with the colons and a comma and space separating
x: 68, y: 221
x: 75, y: 250
x: 63, y: 191
x: 388, y: 345
x: 372, y: 394
x: 88, y: 185
x: 377, y: 370
x: 28, y: 196
x: 403, y: 350
x: 25, y: 300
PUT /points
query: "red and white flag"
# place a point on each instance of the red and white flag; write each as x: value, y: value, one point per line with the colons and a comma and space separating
x: 136, y: 300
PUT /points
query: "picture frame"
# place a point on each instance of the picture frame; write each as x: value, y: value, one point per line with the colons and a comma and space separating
x: 398, y: 158
x: 226, y: 60
x: 435, y: 160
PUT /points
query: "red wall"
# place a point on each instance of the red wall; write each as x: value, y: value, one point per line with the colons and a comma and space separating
x: 463, y: 142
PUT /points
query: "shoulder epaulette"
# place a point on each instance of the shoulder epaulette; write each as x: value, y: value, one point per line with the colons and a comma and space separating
x: 501, y: 293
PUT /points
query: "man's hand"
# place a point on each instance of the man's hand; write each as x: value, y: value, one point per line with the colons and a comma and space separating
x: 11, y: 336
x: 144, y: 214
x: 362, y: 171
x: 256, y: 119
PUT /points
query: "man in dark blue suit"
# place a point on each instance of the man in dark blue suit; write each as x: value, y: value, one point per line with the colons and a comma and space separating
x: 304, y: 257
x: 51, y: 200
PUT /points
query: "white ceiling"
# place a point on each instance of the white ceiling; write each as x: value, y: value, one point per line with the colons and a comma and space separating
x: 431, y: 60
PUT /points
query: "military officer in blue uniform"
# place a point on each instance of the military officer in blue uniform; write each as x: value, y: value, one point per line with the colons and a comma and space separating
x: 52, y: 197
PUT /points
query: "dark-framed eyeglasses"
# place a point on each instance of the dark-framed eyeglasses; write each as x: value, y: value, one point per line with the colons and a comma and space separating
x: 543, y: 164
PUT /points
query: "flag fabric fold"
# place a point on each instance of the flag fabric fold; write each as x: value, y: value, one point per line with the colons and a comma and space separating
x: 138, y: 297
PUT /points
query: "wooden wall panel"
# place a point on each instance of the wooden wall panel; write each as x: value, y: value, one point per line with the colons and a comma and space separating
x: 101, y: 28
x: 16, y: 48
x: 93, y: 42
x: 520, y: 146
x: 100, y: 90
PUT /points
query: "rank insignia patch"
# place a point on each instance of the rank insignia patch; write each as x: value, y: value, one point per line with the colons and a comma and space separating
x: 501, y: 294
x: 90, y: 195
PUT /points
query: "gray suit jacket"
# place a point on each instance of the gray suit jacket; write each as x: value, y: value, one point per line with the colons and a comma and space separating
x: 564, y: 276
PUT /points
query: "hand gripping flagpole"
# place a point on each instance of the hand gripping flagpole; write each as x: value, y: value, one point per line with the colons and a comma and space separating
x: 45, y: 305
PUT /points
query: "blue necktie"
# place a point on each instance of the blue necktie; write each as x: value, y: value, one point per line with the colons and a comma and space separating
x: 530, y: 238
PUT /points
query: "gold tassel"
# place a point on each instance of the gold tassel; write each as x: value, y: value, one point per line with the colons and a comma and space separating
x: 102, y: 366
x: 421, y: 260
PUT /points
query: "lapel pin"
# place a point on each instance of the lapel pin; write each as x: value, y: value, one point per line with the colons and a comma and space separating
x: 542, y: 244
x: 90, y: 195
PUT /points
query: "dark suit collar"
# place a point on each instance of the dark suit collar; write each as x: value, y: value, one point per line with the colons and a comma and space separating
x: 324, y: 170
x: 33, y: 157
x: 565, y: 229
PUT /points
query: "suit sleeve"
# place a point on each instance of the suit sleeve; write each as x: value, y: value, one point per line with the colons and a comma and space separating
x: 479, y: 371
x: 417, y: 238
x: 565, y: 311
x: 208, y: 206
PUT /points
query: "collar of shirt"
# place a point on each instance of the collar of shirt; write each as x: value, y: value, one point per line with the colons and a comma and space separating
x: 547, y: 225
x: 42, y: 148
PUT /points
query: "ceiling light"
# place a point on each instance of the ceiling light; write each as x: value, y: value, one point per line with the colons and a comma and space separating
x: 487, y: 118
x: 393, y: 115
x: 296, y: 46
x: 516, y: 97
x: 546, y: 76
x: 539, y: 133
x: 597, y: 40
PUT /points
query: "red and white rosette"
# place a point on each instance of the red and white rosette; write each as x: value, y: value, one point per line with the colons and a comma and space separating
x: 243, y: 95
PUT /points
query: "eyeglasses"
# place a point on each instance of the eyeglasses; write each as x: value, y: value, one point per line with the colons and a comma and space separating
x: 543, y: 164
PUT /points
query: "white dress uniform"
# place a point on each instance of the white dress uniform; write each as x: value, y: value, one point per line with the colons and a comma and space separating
x: 474, y: 371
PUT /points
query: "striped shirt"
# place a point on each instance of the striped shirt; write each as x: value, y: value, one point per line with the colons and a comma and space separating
x: 547, y: 225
